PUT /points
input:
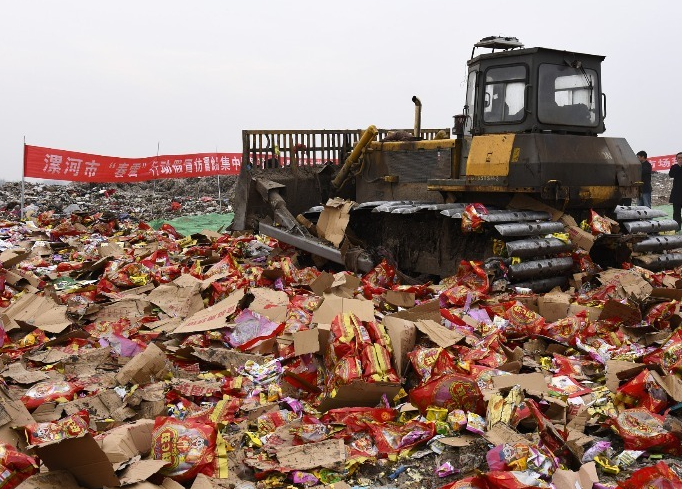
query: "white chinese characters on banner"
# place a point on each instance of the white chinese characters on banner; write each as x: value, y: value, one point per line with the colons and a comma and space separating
x: 57, y: 164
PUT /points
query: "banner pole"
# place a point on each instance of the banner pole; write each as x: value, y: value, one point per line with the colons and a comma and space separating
x: 220, y: 200
x: 158, y: 145
x: 23, y: 179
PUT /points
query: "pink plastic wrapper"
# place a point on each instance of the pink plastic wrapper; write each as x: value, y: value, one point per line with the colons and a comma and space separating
x: 251, y: 329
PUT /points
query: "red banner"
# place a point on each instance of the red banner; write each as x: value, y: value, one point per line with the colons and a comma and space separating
x: 58, y: 164
x: 661, y: 163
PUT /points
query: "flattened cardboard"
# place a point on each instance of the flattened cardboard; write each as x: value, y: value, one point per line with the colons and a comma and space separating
x: 9, y: 258
x: 169, y: 483
x: 672, y: 294
x: 47, y: 412
x: 630, y: 285
x: 180, y: 298
x: 100, y: 406
x: 360, y: 394
x: 146, y: 367
x: 322, y: 283
x: 12, y: 414
x: 33, y: 310
x: 307, y: 341
x: 400, y: 299
x: 345, y: 284
x: 342, y: 284
x: 55, y: 479
x: 403, y: 334
x: 592, y: 312
x: 8, y: 324
x: 581, y: 238
x: 19, y: 374
x: 140, y: 471
x: 48, y: 356
x: 425, y: 310
x: 212, y: 317
x: 165, y: 325
x: 204, y: 482
x: 615, y: 367
x: 626, y: 313
x: 327, y: 453
x: 53, y: 320
x: 334, y: 219
x: 501, y: 433
x: 229, y: 359
x: 210, y: 234
x: 82, y: 457
x: 534, y: 382
x: 554, y: 305
x: 332, y: 306
x: 583, y: 479
x: 672, y: 385
x: 125, y: 308
x: 110, y: 249
x: 270, y: 303
x: 438, y: 333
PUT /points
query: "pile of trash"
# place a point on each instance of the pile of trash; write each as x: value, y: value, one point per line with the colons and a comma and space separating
x: 143, y: 358
x: 163, y: 199
x: 661, y: 186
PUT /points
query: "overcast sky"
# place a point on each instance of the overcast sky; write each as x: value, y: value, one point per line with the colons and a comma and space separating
x: 115, y: 78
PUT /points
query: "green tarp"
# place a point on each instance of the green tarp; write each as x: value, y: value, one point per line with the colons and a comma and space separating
x: 187, y: 225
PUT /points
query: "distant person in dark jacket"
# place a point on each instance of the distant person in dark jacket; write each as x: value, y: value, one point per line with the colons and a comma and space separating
x: 676, y: 193
x: 645, y: 196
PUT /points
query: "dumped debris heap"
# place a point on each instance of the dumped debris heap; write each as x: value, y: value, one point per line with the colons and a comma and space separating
x: 134, y: 357
x: 163, y: 199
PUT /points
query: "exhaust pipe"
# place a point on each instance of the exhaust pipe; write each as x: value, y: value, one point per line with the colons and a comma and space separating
x: 417, y: 117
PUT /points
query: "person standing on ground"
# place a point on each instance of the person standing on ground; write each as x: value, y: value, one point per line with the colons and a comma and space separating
x: 676, y: 193
x: 645, y: 196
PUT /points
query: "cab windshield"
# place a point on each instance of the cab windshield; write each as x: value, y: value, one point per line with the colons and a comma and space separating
x: 567, y: 95
x: 504, y: 94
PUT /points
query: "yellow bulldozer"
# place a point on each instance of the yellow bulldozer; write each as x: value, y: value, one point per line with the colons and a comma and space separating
x: 526, y: 147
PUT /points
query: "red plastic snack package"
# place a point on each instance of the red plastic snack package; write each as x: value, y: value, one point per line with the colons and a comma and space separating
x: 641, y: 430
x: 470, y: 274
x: 188, y: 446
x: 471, y: 218
x: 476, y: 482
x: 15, y: 467
x: 522, y: 321
x: 659, y: 315
x: 659, y: 476
x: 49, y: 390
x: 599, y: 224
x: 451, y: 391
x: 69, y: 427
x: 643, y: 391
x: 383, y: 275
x: 565, y: 330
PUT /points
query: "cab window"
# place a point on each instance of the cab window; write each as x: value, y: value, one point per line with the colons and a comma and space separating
x: 568, y: 95
x: 504, y: 99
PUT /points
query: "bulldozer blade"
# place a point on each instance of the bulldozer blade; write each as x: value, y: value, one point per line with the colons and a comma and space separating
x: 301, y: 189
x: 315, y: 246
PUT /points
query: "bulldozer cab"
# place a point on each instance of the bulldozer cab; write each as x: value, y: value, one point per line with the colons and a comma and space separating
x: 517, y: 90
